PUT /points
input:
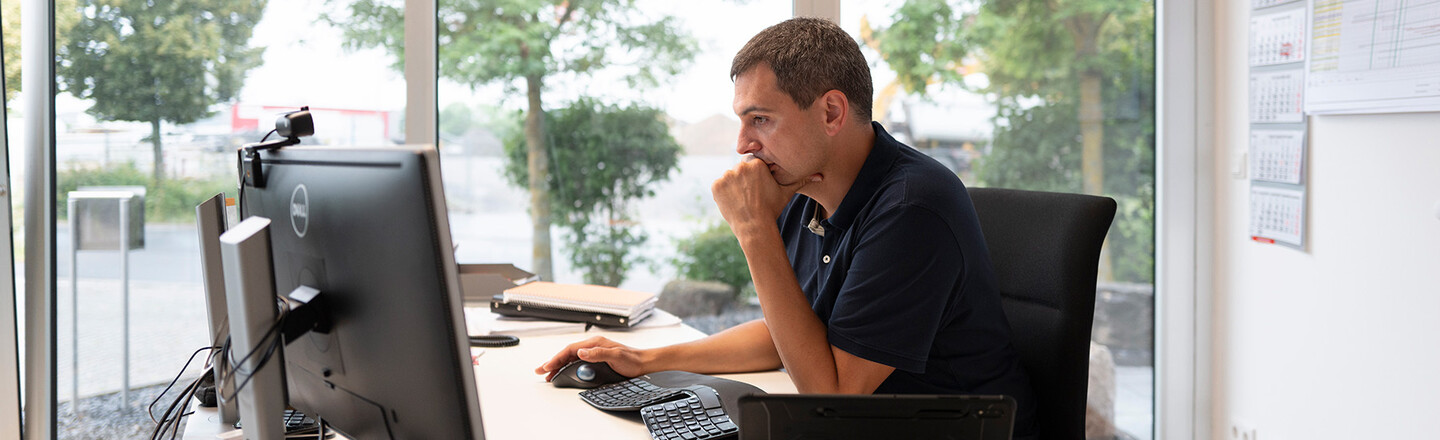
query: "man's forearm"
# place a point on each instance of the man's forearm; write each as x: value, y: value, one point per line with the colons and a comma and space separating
x: 744, y: 348
x: 798, y: 335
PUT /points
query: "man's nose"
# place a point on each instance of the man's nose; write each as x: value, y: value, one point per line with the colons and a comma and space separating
x: 746, y: 145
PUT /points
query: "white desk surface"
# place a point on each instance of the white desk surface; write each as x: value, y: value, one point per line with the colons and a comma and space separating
x: 515, y: 403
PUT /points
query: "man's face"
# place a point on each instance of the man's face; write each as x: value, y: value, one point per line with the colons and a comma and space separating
x: 775, y: 129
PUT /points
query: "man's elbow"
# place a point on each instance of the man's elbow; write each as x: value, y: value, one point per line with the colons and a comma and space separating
x: 841, y: 387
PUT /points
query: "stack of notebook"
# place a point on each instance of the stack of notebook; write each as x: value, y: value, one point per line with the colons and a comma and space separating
x: 575, y: 302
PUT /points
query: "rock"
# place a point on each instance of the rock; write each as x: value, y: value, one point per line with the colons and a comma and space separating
x: 1100, y: 395
x: 1125, y: 322
x: 685, y: 298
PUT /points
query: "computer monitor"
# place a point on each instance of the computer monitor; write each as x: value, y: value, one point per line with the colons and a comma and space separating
x: 368, y: 228
x: 210, y: 222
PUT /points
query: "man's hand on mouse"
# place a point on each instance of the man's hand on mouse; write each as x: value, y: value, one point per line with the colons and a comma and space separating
x: 625, y: 360
x: 749, y: 196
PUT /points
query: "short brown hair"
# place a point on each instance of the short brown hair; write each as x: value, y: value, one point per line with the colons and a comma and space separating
x: 810, y: 56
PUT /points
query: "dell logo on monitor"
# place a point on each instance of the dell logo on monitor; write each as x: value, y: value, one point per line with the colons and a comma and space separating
x: 300, y: 210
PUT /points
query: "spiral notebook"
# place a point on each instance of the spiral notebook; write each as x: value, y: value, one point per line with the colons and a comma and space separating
x: 582, y: 298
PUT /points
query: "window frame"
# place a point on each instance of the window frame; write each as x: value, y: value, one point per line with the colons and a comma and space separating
x: 1184, y: 218
x: 38, y: 71
x: 1184, y: 212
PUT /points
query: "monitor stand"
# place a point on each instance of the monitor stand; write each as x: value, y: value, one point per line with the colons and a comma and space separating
x: 251, y: 304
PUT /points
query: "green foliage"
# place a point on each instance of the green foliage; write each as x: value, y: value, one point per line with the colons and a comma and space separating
x: 1038, y: 150
x: 519, y: 45
x: 456, y: 119
x: 1035, y: 149
x: 168, y: 201
x: 602, y: 158
x: 142, y: 60
x: 10, y: 12
x: 168, y: 61
x: 10, y: 28
x: 713, y: 254
x: 502, y: 41
x: 604, y: 251
x: 925, y: 44
x: 1037, y: 137
x: 1035, y: 54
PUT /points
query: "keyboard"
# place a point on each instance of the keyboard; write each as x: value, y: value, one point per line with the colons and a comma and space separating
x: 630, y: 395
x: 693, y: 417
x: 296, y: 423
x: 677, y: 404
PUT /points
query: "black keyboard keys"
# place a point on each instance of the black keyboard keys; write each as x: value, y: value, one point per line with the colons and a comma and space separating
x: 698, y: 416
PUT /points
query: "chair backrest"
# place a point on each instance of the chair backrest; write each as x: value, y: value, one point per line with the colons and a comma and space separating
x: 1045, y: 248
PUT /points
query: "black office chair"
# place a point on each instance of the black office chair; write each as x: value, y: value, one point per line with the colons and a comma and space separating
x: 1045, y: 248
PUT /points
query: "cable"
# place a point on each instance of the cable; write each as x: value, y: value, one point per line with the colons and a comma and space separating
x: 270, y: 341
x: 172, y: 424
x: 267, y: 136
x: 151, y: 409
x: 170, y: 421
x: 240, y: 184
x: 167, y: 420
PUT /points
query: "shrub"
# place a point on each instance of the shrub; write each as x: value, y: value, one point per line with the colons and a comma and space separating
x: 713, y: 254
x: 170, y: 201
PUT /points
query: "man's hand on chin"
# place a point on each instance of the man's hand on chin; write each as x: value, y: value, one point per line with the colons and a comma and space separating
x: 749, y: 197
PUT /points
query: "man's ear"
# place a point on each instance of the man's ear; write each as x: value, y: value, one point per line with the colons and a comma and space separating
x: 837, y: 111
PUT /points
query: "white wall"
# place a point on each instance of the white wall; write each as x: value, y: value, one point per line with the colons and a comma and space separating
x: 1341, y: 341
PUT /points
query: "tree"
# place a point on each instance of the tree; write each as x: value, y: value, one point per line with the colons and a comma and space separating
x: 1057, y: 69
x: 10, y: 15
x: 168, y: 61
x: 525, y: 43
x: 1032, y: 43
x: 925, y: 45
x: 604, y: 158
x: 10, y: 11
x: 1101, y: 71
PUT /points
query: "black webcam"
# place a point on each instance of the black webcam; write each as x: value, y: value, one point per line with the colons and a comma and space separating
x: 291, y: 127
x: 295, y: 124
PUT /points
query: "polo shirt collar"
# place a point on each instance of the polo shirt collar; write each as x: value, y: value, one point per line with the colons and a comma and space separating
x: 882, y: 156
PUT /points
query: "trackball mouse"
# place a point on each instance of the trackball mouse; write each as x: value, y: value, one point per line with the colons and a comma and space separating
x: 581, y: 374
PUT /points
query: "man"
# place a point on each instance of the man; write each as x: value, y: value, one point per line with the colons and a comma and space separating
x: 877, y: 279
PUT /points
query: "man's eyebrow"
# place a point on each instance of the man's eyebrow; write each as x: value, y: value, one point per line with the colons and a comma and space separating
x: 752, y: 109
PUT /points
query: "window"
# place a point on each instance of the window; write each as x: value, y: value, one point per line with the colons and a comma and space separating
x: 671, y: 90
x: 660, y: 66
x: 1024, y: 95
x: 155, y: 98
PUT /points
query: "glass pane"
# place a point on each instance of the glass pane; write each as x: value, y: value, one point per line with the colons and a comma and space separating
x: 10, y: 28
x: 155, y: 98
x: 1022, y: 94
x: 667, y: 85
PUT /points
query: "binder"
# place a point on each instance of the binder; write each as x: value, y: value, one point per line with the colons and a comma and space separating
x: 500, y: 307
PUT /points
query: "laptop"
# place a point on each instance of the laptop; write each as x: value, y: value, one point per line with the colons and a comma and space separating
x: 882, y: 416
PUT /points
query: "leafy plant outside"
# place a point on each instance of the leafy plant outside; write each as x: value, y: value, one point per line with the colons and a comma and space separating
x: 601, y: 159
x: 713, y: 254
x: 169, y: 201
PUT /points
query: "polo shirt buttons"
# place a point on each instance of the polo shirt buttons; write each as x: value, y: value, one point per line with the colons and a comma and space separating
x: 825, y: 259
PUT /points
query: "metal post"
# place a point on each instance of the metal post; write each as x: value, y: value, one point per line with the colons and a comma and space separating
x: 125, y: 294
x: 74, y: 309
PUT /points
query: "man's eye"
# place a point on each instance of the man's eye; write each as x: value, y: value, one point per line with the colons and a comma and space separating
x: 759, y: 120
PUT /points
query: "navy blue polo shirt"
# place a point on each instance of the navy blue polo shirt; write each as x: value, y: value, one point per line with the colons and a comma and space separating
x: 900, y: 275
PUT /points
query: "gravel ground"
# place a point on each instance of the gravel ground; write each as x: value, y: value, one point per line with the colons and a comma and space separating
x: 712, y: 324
x: 104, y: 417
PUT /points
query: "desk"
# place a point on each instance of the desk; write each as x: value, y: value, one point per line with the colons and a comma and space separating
x: 515, y: 403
